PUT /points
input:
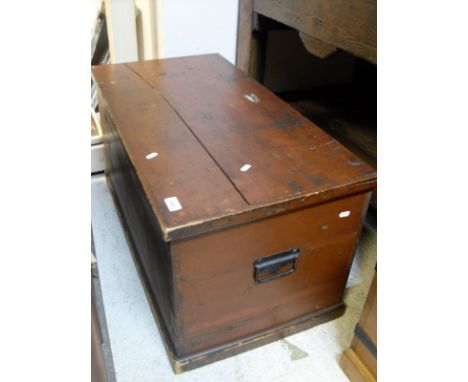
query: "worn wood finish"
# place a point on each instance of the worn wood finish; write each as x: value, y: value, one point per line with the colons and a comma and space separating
x: 146, y: 234
x: 147, y: 124
x: 339, y: 113
x: 365, y: 355
x: 258, y: 339
x: 316, y: 47
x: 235, y: 131
x: 185, y: 363
x: 220, y: 300
x: 98, y: 364
x: 354, y: 368
x: 198, y: 262
x: 368, y: 320
x: 102, y: 368
x: 349, y: 25
x: 246, y: 49
x: 194, y: 114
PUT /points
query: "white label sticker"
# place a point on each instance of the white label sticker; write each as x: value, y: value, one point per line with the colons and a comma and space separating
x: 151, y: 156
x: 245, y: 167
x: 173, y: 203
x: 252, y: 98
x: 344, y: 214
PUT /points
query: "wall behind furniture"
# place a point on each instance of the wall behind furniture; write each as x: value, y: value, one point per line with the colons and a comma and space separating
x: 198, y: 27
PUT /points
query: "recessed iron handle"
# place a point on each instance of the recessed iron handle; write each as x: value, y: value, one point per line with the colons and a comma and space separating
x: 271, y: 265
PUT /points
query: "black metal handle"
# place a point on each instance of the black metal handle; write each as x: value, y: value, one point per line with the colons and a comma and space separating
x: 270, y: 267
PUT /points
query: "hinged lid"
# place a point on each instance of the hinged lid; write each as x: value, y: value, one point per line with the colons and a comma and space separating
x: 214, y: 148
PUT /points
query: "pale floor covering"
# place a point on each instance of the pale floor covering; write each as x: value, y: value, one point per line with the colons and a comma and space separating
x: 139, y: 354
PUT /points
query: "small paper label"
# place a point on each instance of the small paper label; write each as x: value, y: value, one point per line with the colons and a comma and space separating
x: 245, y: 167
x: 344, y: 214
x: 252, y: 98
x: 151, y: 156
x: 173, y: 203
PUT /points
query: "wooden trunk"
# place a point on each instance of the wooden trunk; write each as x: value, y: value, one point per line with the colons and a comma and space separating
x: 243, y: 216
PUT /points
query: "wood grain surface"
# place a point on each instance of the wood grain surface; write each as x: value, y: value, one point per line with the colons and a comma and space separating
x: 136, y: 213
x: 219, y: 300
x: 349, y: 25
x: 193, y: 112
x: 186, y: 128
x: 246, y: 42
x: 359, y: 361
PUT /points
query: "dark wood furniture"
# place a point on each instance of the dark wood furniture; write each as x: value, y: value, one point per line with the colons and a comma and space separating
x: 359, y: 361
x: 323, y: 25
x: 346, y: 112
x: 102, y: 367
x: 99, y: 371
x: 242, y: 214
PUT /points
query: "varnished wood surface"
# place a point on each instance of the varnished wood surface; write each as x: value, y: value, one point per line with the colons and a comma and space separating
x: 359, y: 361
x: 198, y: 263
x: 245, y: 52
x: 194, y: 114
x: 342, y: 114
x: 349, y: 25
x: 145, y: 123
x: 368, y: 320
x: 258, y: 339
x: 174, y: 337
x: 146, y: 234
x: 368, y: 326
x: 354, y: 368
x: 213, y: 274
x: 175, y: 340
x: 365, y: 356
